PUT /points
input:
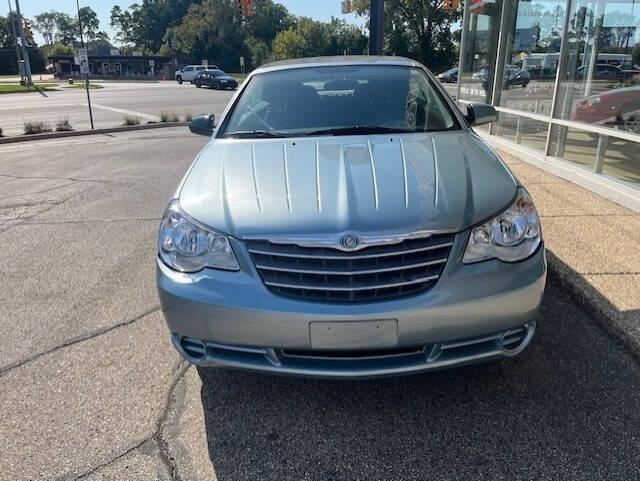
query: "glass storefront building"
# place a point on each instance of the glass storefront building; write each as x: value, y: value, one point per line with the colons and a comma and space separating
x: 564, y: 76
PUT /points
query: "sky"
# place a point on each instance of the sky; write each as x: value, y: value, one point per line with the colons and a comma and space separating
x: 316, y: 9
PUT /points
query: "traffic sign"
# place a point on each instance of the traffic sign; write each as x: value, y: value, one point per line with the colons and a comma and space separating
x: 83, y: 57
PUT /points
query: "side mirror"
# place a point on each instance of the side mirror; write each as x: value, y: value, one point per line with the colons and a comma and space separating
x: 478, y: 114
x: 203, y: 124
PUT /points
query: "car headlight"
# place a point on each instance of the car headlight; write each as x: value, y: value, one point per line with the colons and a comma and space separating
x: 593, y: 100
x: 187, y: 246
x: 511, y: 236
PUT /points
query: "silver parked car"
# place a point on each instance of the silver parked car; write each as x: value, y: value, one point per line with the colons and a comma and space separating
x: 345, y: 221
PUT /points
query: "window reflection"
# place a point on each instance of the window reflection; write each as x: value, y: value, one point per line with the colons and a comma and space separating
x: 613, y: 157
x: 479, y: 56
x: 522, y: 130
x: 600, y: 82
x: 532, y: 53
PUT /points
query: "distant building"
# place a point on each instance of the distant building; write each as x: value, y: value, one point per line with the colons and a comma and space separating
x: 115, y: 66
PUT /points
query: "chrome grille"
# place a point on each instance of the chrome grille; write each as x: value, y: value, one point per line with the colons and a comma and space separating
x: 372, y: 273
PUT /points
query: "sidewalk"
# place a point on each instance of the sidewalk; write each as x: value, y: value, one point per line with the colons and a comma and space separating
x: 593, y: 247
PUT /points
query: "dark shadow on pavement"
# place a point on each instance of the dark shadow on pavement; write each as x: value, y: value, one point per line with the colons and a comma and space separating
x: 567, y: 408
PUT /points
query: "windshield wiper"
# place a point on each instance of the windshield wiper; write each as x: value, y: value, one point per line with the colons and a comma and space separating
x: 256, y: 134
x: 360, y: 129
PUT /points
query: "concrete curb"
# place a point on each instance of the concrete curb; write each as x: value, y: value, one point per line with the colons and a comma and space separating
x: 583, y: 293
x: 78, y: 133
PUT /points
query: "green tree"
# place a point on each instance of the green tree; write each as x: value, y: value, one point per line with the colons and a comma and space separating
x: 46, y: 24
x: 420, y: 29
x: 345, y: 38
x: 269, y: 19
x: 259, y: 51
x: 289, y: 44
x: 58, y: 49
x: 90, y: 23
x: 6, y: 40
x: 145, y: 25
x: 66, y: 29
x: 211, y: 30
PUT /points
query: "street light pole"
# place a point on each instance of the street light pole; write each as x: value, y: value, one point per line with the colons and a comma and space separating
x: 376, y: 27
x: 12, y: 27
x: 86, y: 76
x: 25, y: 52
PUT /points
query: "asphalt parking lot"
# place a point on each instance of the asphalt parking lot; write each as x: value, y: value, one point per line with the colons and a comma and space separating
x: 90, y: 387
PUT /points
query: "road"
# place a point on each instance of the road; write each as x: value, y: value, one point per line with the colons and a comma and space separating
x: 146, y: 100
x: 90, y: 387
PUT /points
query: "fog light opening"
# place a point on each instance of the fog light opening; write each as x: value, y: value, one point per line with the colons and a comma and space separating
x: 195, y: 349
x: 513, y: 340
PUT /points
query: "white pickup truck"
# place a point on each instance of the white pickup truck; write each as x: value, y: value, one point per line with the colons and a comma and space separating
x: 188, y: 72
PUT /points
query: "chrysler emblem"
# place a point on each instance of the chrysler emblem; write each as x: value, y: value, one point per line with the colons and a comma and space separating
x: 350, y: 242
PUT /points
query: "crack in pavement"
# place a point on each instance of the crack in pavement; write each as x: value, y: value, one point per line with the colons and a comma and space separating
x: 163, y: 446
x: 5, y: 369
x: 163, y: 453
x: 86, y: 221
x: 50, y: 206
x: 105, y: 464
x: 34, y: 203
x: 45, y: 177
x: 26, y: 194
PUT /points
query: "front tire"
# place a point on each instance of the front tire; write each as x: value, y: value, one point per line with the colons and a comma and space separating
x: 631, y: 122
x: 179, y: 80
x: 198, y: 84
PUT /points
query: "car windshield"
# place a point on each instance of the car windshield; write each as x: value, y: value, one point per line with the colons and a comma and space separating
x: 216, y: 73
x: 339, y: 100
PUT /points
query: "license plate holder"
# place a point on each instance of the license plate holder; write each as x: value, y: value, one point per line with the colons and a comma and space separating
x: 353, y: 334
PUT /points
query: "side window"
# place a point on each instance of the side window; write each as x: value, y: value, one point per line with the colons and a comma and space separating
x: 200, y: 68
x: 187, y: 69
x: 424, y: 109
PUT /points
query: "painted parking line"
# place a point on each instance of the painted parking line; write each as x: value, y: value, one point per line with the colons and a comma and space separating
x: 142, y: 115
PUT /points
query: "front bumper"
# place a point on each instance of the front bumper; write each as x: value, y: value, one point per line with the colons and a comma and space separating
x: 231, y: 319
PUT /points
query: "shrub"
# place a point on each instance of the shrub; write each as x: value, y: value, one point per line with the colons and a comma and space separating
x: 131, y: 120
x: 169, y: 116
x: 188, y: 116
x: 36, y: 127
x: 63, y: 125
x: 1, y: 132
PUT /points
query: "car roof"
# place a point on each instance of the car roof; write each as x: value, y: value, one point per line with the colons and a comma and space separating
x: 336, y: 61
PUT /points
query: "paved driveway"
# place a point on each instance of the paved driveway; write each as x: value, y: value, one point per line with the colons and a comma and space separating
x: 91, y: 389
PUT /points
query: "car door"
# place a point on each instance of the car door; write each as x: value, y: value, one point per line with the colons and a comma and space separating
x: 187, y: 73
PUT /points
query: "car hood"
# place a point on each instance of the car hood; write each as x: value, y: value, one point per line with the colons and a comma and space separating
x: 225, y: 77
x: 364, y: 184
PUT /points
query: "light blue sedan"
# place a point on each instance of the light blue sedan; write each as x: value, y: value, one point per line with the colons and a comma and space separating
x: 345, y: 221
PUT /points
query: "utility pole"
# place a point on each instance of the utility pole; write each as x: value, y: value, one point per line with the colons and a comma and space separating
x: 12, y: 26
x: 376, y: 27
x: 86, y: 75
x: 25, y: 53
